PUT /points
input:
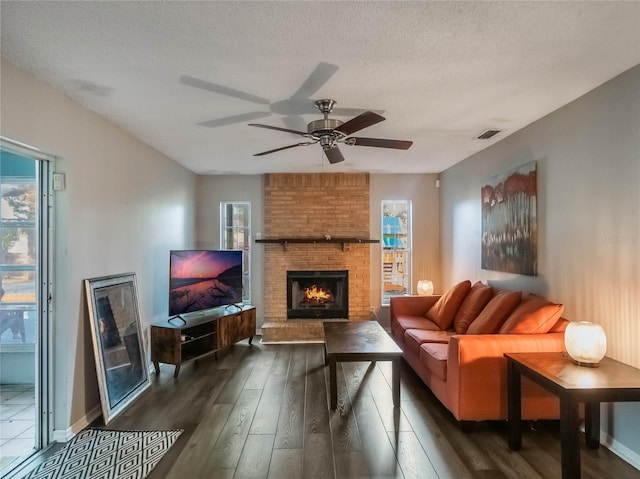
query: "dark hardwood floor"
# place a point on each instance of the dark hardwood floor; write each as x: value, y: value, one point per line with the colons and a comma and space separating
x: 262, y: 411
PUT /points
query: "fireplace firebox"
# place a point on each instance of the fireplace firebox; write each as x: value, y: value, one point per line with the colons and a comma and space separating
x: 318, y: 294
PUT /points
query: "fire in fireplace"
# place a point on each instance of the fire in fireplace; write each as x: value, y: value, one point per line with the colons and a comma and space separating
x: 317, y: 294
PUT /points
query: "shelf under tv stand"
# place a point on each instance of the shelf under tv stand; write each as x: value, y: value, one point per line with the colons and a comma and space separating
x: 180, y: 339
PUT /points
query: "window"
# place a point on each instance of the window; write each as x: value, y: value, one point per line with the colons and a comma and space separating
x: 235, y: 233
x: 396, y: 248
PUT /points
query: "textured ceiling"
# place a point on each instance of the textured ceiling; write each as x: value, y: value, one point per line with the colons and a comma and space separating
x: 186, y: 77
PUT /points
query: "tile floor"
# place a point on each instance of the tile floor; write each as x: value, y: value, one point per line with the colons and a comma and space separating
x: 17, y: 422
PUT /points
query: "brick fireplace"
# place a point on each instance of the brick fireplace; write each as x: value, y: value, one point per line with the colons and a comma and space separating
x: 314, y: 206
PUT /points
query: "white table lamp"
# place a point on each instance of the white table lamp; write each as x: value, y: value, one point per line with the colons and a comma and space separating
x: 425, y: 287
x: 586, y: 343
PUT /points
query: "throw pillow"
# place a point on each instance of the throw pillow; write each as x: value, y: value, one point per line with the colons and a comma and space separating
x: 443, y: 311
x: 533, y: 315
x: 495, y: 312
x: 477, y: 298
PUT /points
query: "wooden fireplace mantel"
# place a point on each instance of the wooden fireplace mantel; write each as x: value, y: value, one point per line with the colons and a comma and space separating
x: 323, y: 240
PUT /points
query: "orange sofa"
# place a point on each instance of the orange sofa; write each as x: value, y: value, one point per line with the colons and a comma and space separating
x: 455, y: 343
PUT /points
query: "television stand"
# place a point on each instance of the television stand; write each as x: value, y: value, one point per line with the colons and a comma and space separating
x: 177, y: 341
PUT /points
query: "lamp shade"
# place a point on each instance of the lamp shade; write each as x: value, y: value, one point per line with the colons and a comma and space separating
x: 425, y: 287
x: 586, y: 343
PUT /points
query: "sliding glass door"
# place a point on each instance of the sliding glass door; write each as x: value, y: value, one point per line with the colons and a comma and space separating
x: 25, y: 207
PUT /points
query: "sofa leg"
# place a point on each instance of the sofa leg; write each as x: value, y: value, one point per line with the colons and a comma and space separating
x: 466, y: 426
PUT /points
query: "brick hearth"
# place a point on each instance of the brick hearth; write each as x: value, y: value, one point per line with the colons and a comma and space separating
x: 312, y: 206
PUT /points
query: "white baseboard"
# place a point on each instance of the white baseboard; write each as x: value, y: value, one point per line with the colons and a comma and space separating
x: 620, y: 450
x: 76, y: 427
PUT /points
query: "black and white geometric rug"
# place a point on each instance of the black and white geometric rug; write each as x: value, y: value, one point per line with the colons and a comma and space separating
x: 104, y: 454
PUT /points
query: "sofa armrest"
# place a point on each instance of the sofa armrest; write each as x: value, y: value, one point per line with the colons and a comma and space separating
x: 477, y: 368
x: 411, y: 305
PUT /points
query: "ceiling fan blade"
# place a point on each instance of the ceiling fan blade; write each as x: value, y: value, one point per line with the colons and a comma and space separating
x: 334, y: 155
x: 269, y: 127
x: 205, y: 85
x: 360, y: 122
x: 229, y: 120
x: 283, y: 148
x: 318, y: 77
x: 381, y: 143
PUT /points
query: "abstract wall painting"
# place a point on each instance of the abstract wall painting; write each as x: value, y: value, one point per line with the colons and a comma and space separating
x: 509, y: 221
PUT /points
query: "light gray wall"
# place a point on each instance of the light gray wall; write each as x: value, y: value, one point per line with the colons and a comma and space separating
x: 588, y: 157
x: 424, y: 196
x: 125, y: 205
x: 213, y: 189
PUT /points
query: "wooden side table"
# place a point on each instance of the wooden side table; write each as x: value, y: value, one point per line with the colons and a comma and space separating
x: 612, y: 381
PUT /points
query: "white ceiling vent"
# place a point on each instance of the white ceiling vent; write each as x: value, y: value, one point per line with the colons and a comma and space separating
x: 485, y: 135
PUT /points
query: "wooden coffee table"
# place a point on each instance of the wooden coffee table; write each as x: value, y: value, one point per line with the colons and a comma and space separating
x: 611, y: 382
x: 360, y: 341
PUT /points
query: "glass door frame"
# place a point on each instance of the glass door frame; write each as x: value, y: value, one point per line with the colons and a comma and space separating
x: 43, y: 350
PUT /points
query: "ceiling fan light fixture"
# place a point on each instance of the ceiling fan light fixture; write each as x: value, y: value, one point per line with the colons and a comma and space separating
x: 326, y: 141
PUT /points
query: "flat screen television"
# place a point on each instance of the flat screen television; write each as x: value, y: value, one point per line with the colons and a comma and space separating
x: 204, y: 279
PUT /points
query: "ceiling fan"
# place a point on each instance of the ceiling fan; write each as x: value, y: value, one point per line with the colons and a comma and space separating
x: 331, y: 132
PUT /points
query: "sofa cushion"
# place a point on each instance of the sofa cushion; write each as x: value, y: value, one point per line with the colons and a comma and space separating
x: 533, y: 315
x: 477, y: 298
x: 400, y: 324
x: 434, y: 357
x: 414, y: 338
x: 416, y: 322
x: 495, y: 312
x: 445, y: 309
